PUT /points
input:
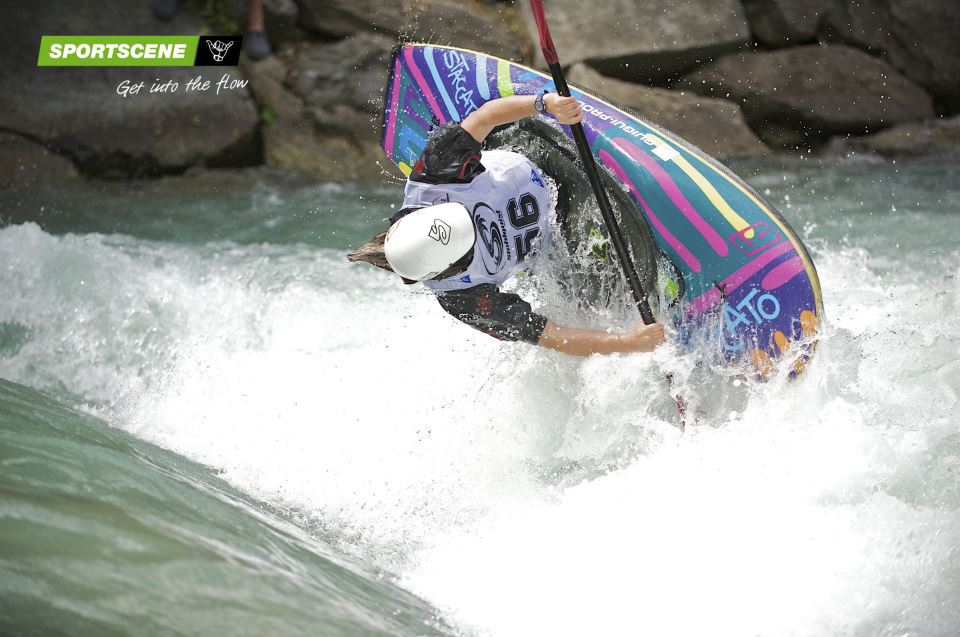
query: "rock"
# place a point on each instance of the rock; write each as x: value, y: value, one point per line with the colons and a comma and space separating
x: 717, y: 126
x: 267, y: 84
x: 333, y: 142
x: 648, y: 42
x: 804, y: 95
x: 309, y: 153
x: 920, y: 39
x: 780, y: 23
x: 351, y: 72
x: 24, y: 162
x: 77, y: 111
x: 463, y: 24
x: 930, y: 137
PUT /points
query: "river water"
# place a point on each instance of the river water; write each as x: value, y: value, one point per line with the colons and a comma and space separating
x: 210, y: 423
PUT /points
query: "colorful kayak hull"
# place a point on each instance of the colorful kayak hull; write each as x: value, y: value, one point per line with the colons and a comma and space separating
x: 751, y: 289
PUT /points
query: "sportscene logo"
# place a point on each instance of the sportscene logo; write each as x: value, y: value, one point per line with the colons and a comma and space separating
x: 139, y: 50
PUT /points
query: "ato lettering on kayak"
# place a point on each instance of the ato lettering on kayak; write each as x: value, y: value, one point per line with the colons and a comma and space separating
x: 457, y: 67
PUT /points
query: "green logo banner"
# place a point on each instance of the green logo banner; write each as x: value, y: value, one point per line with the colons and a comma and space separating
x: 117, y: 50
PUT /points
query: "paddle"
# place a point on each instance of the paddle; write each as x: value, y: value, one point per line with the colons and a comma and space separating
x: 590, y: 166
x: 593, y: 174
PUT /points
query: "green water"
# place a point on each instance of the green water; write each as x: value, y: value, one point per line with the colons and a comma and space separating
x: 104, y: 534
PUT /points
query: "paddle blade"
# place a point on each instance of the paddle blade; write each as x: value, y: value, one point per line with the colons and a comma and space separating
x: 546, y: 42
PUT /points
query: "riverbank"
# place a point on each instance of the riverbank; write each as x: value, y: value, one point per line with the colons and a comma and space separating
x: 738, y: 79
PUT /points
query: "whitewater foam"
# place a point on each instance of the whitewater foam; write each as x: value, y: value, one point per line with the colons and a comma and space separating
x: 521, y: 491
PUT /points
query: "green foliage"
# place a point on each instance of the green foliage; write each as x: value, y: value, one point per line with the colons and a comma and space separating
x: 267, y: 115
x: 217, y: 14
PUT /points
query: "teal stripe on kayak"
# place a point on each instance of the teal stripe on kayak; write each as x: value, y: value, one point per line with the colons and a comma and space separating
x: 428, y: 55
x: 482, y: 85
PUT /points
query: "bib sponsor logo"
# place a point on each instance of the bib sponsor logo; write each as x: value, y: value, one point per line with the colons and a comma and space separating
x: 440, y: 231
x: 535, y: 178
x: 492, y: 252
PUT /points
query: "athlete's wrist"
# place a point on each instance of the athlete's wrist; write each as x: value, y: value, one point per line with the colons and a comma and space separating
x: 540, y: 103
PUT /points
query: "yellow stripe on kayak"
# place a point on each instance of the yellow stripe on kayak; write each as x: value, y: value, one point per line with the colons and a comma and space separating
x: 504, y: 85
x: 405, y: 169
x: 735, y: 220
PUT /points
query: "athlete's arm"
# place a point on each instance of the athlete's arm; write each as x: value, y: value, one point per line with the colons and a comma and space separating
x: 507, y: 110
x: 643, y: 338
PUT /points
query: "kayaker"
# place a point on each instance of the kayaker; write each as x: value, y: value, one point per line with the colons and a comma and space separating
x: 469, y: 219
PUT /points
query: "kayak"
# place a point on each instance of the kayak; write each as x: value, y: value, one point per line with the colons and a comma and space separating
x: 723, y: 266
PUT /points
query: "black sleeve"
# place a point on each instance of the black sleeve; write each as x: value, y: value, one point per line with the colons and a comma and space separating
x: 500, y: 314
x: 451, y: 156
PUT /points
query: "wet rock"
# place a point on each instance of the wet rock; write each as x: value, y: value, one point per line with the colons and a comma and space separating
x: 352, y: 72
x: 649, y: 42
x: 336, y: 141
x: 24, y: 162
x: 806, y: 94
x: 77, y: 111
x: 462, y: 24
x: 920, y: 39
x: 780, y: 23
x: 323, y: 157
x: 930, y: 137
x: 717, y: 126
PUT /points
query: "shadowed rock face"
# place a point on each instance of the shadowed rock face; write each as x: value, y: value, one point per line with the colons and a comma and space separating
x: 920, y: 38
x: 804, y: 95
x: 908, y: 140
x: 462, y: 24
x: 648, y: 42
x: 76, y: 111
x: 24, y: 163
x: 715, y: 125
x: 779, y: 23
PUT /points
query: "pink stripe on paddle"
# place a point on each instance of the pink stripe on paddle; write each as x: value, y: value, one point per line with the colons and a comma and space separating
x: 711, y: 297
x: 675, y: 243
x: 673, y: 191
x: 394, y: 104
x: 782, y: 273
x: 422, y: 82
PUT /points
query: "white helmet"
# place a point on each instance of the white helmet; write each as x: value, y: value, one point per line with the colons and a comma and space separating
x: 429, y: 240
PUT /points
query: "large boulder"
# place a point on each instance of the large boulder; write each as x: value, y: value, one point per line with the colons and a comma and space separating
x: 463, y: 24
x: 24, y: 162
x: 715, y: 125
x: 351, y: 72
x: 780, y: 23
x: 647, y: 41
x: 330, y: 139
x: 920, y: 39
x: 930, y: 137
x: 77, y: 111
x: 804, y: 95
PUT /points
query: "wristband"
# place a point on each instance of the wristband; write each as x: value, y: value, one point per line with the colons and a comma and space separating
x: 539, y: 104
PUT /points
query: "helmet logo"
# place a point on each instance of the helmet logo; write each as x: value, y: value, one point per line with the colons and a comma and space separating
x: 440, y: 231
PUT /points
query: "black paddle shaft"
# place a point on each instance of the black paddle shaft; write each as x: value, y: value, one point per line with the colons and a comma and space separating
x: 593, y: 174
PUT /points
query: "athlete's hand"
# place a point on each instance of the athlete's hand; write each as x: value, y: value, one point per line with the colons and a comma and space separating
x: 643, y: 338
x: 566, y: 109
